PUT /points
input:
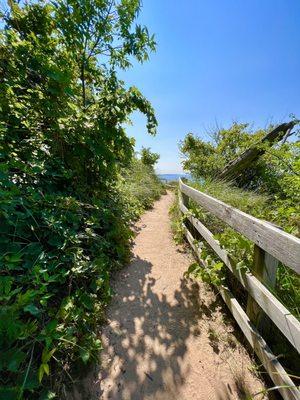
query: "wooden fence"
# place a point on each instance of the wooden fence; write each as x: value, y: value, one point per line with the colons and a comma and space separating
x: 270, y: 246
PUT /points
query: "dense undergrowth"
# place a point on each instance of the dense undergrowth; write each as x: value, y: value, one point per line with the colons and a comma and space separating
x: 269, y: 190
x: 67, y: 182
x: 141, y: 185
x: 239, y: 247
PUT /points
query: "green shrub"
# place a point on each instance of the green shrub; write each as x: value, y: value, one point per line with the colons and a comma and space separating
x: 64, y: 222
x: 269, y: 190
x: 142, y: 184
x: 240, y: 248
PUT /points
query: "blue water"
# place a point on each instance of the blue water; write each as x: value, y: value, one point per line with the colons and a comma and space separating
x: 172, y: 177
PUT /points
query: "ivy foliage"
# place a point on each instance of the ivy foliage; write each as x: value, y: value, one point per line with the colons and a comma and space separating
x: 64, y: 222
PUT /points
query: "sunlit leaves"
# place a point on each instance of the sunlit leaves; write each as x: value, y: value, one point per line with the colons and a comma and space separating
x: 65, y: 220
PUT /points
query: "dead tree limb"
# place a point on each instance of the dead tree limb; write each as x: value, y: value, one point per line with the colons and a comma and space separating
x: 234, y: 168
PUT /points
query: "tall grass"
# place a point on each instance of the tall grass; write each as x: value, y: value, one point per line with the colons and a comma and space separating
x: 247, y: 201
x: 240, y: 248
x: 287, y: 288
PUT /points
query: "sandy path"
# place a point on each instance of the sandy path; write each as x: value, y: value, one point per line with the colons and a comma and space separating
x: 168, y: 337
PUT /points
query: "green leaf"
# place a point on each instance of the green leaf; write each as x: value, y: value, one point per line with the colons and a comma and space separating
x: 218, y: 266
x: 87, y: 301
x: 10, y: 393
x: 16, y: 359
x: 51, y: 326
x: 32, y: 309
x: 5, y: 285
x: 43, y: 369
x: 46, y: 355
x: 46, y: 368
x: 84, y: 355
x: 47, y: 395
x: 14, y: 258
x: 41, y: 373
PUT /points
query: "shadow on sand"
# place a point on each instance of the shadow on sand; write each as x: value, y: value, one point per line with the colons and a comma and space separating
x: 150, y: 339
x: 146, y: 339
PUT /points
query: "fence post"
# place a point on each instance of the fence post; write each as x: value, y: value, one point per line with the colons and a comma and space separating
x: 183, y: 196
x: 264, y: 268
x: 185, y: 199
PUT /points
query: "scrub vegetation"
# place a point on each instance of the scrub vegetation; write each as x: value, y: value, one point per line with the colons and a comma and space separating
x: 70, y: 185
x: 269, y: 189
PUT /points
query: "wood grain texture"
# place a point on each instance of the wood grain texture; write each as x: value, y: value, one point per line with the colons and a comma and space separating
x: 264, y: 269
x: 279, y: 376
x: 281, y: 245
x: 236, y: 167
x: 282, y: 318
x: 277, y: 373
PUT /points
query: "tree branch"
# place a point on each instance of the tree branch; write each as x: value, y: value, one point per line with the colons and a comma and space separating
x: 235, y: 167
x: 99, y: 36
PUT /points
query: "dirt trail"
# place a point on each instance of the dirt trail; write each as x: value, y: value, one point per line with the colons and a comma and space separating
x: 168, y: 337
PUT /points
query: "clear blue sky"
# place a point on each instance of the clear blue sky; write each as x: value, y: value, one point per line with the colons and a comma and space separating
x: 216, y: 62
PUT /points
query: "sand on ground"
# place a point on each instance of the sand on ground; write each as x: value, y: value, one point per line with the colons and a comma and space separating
x: 168, y: 337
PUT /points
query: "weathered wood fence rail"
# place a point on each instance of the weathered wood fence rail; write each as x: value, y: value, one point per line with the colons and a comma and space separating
x: 270, y: 245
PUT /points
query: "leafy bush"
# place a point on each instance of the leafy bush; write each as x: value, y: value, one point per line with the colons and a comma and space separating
x: 148, y: 157
x: 64, y: 222
x: 239, y: 247
x: 141, y: 184
x: 269, y: 190
x: 275, y: 172
x: 287, y: 288
x: 206, y: 159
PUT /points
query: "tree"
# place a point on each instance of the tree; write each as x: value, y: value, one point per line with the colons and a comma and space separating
x: 148, y: 157
x: 101, y: 32
x: 252, y: 160
x: 64, y: 223
x: 236, y: 166
x: 199, y: 157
